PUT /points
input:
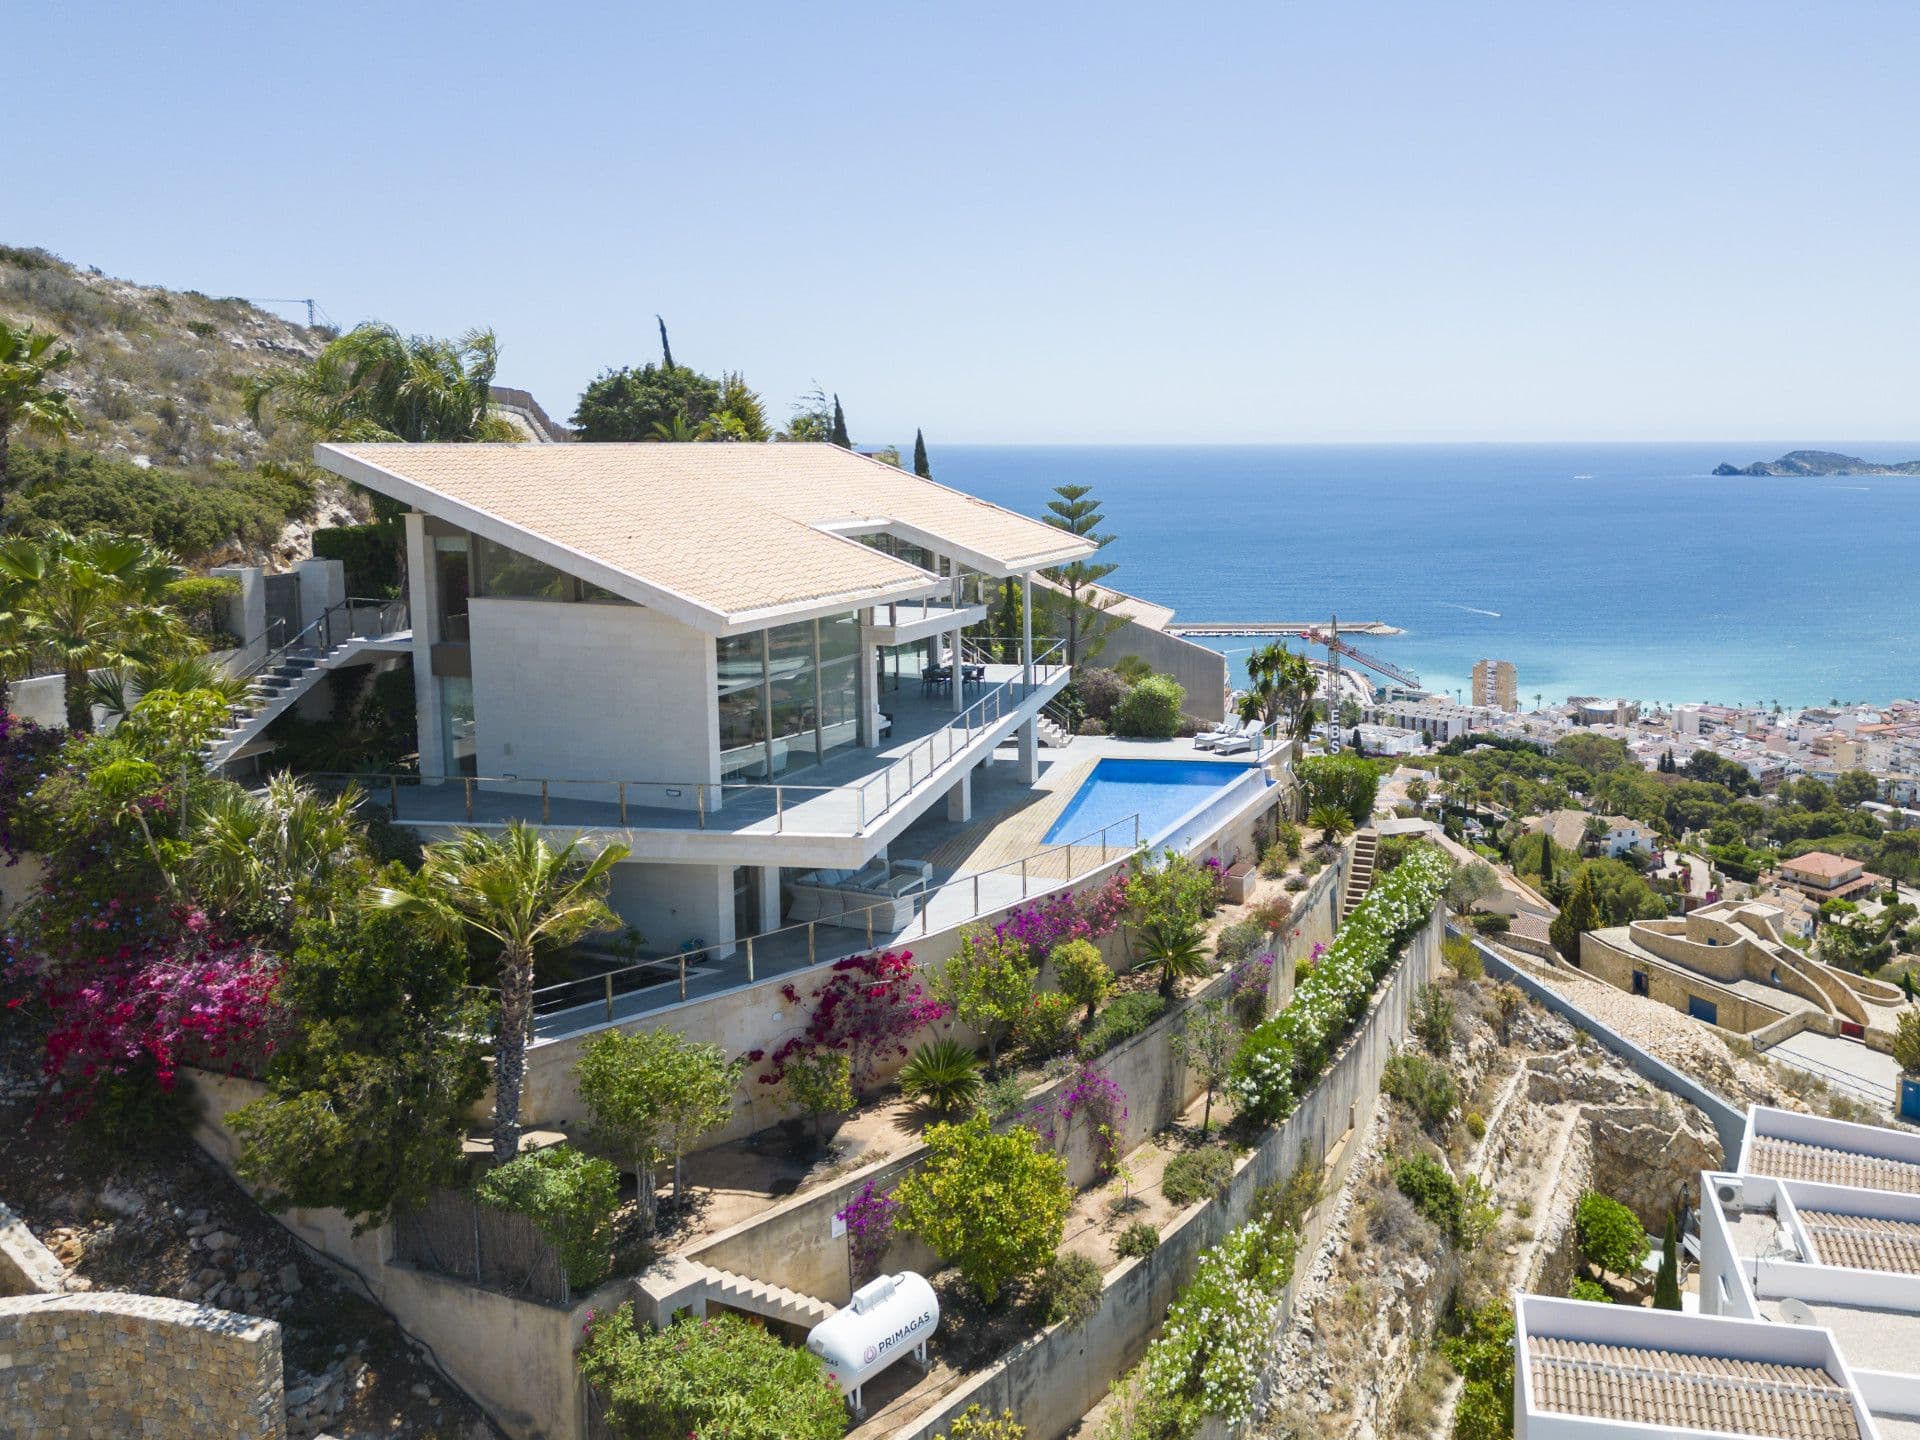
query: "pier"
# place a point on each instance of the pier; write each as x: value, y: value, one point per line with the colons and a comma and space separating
x: 1221, y: 629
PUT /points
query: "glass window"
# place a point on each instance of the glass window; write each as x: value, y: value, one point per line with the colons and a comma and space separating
x: 507, y: 572
x: 743, y: 696
x: 790, y: 680
x: 456, y: 724
x: 453, y: 584
x: 839, y: 686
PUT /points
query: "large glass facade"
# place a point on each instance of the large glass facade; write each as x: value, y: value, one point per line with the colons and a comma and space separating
x: 457, y: 724
x: 789, y: 697
x: 500, y: 571
x: 453, y: 584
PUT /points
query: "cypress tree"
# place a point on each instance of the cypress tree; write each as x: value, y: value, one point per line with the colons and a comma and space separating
x: 1666, y: 1284
x: 840, y: 426
x: 666, y: 350
x: 1579, y: 915
x: 920, y: 465
x: 1546, y: 858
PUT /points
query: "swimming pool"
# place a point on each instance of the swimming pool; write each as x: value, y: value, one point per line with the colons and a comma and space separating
x: 1160, y: 792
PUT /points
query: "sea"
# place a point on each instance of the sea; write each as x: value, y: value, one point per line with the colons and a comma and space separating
x: 1597, y: 569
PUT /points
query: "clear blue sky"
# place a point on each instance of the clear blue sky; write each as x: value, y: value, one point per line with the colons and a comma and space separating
x: 1013, y: 222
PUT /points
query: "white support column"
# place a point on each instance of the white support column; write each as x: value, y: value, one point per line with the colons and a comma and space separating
x: 426, y: 624
x: 959, y: 681
x: 767, y: 911
x: 1030, y: 752
x: 1026, y: 629
x: 960, y: 799
x: 867, y: 686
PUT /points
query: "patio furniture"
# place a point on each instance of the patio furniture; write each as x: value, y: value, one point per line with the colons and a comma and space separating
x: 886, y: 725
x: 1234, y: 744
x: 1210, y: 739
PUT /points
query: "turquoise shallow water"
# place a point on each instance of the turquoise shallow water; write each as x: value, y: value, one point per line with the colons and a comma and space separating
x: 1596, y: 569
x: 1160, y: 792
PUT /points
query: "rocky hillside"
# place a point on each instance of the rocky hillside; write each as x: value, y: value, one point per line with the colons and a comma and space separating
x: 156, y: 373
x: 1819, y: 462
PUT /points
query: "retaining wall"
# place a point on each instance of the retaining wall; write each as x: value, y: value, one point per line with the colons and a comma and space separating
x: 1051, y: 1382
x: 26, y: 1266
x: 110, y: 1364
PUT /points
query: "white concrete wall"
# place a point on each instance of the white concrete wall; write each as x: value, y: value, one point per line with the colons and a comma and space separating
x: 593, y: 692
x: 42, y: 700
x: 672, y: 904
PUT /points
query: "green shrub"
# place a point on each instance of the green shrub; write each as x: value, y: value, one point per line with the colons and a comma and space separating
x: 1151, y: 709
x: 943, y: 1074
x: 570, y: 1198
x: 1296, y: 883
x: 1345, y: 782
x: 1476, y: 1124
x: 1046, y: 1027
x: 1610, y: 1235
x: 1431, y: 1019
x: 994, y: 1204
x: 718, y: 1376
x: 369, y: 554
x: 1137, y: 1241
x: 1285, y: 1203
x: 1434, y: 1193
x: 1241, y: 941
x: 1081, y: 973
x: 1196, y: 1175
x: 1126, y: 1017
x: 1003, y: 1097
x: 202, y: 600
x: 1067, y: 1291
x: 1460, y: 956
x: 1585, y: 1289
x: 1492, y: 924
x: 1483, y: 1355
x: 974, y: 1423
x: 1906, y: 1041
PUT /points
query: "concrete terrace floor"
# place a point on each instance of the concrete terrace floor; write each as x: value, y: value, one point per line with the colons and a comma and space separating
x: 954, y: 898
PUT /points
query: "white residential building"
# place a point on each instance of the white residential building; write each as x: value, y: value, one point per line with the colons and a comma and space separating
x: 742, y: 661
x: 1440, y: 720
x: 1808, y: 1321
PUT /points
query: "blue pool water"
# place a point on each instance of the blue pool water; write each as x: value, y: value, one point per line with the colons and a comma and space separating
x: 1160, y: 792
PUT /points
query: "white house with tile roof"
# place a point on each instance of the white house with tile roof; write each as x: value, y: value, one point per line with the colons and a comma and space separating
x: 745, y: 662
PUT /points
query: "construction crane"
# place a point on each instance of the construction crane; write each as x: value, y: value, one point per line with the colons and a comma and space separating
x: 1336, y: 646
x: 311, y: 305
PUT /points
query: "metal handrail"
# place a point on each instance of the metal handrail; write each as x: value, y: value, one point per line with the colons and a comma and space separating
x: 873, y: 796
x: 323, y: 621
x: 604, y: 983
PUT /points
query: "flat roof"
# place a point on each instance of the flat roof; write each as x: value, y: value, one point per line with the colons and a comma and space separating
x: 1646, y: 1386
x: 724, y: 537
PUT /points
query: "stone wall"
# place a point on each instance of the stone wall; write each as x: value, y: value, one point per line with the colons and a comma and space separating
x: 26, y: 1266
x: 112, y: 1365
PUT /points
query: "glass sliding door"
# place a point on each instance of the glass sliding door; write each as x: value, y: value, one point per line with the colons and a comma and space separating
x: 743, y: 706
x: 792, y: 667
x: 788, y: 697
x: 839, y: 686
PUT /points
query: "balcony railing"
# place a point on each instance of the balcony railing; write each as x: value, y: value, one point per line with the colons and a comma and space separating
x: 747, y: 807
x: 643, y: 984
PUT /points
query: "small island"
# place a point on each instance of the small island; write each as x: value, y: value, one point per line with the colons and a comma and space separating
x: 1819, y: 462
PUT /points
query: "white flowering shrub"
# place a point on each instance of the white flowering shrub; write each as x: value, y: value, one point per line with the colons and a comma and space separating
x: 1219, y: 1331
x: 1286, y: 1053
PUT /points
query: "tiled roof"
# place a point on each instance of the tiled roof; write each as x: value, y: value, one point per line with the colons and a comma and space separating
x: 722, y: 531
x: 1819, y: 862
x: 1689, y: 1392
x: 1862, y: 1242
x: 1795, y: 1160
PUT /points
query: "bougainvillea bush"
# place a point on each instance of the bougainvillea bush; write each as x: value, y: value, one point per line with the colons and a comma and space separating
x: 868, y: 1217
x: 868, y: 1007
x: 1041, y: 925
x: 1280, y: 1058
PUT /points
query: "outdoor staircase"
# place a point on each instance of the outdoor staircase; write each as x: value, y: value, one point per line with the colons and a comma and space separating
x: 759, y: 1298
x: 295, y: 668
x: 1053, y: 734
x: 1366, y: 845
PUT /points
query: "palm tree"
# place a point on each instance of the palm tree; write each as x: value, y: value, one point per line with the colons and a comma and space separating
x: 27, y: 358
x: 1281, y: 686
x: 514, y: 888
x: 116, y: 691
x: 271, y: 851
x: 84, y: 602
x: 1176, y: 949
x: 373, y: 384
x: 1332, y: 821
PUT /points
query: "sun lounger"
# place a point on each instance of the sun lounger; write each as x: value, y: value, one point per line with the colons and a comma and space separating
x: 1220, y: 734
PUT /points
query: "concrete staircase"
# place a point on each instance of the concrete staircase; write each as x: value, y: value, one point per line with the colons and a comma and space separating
x: 269, y: 695
x: 759, y: 1298
x: 1053, y: 735
x: 1366, y: 845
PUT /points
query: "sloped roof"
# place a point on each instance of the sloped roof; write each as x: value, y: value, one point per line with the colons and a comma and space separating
x: 1797, y: 1160
x: 1671, y: 1389
x: 723, y: 537
x: 1864, y: 1242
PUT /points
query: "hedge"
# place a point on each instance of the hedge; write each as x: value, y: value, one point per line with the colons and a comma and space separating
x: 1279, y: 1059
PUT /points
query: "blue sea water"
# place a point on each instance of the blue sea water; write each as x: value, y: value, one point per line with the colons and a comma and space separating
x: 1160, y: 792
x: 1597, y: 569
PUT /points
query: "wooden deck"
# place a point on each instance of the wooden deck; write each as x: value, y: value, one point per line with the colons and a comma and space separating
x: 1004, y: 838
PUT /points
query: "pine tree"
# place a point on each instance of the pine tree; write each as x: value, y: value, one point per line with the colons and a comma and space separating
x: 920, y: 465
x: 666, y: 350
x: 1666, y: 1284
x: 840, y: 426
x: 1072, y: 510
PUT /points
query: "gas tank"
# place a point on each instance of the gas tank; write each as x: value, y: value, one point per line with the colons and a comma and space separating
x: 885, y: 1319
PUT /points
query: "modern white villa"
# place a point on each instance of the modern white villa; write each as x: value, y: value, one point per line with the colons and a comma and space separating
x: 746, y: 663
x: 1808, y: 1319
